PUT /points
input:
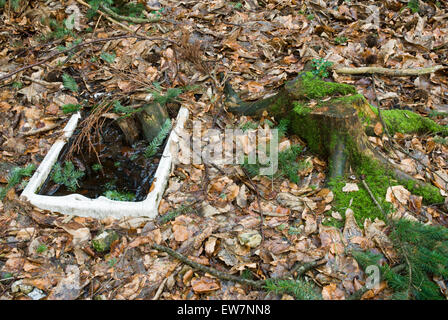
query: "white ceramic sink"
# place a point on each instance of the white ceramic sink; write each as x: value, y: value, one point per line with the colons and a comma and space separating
x: 102, y: 207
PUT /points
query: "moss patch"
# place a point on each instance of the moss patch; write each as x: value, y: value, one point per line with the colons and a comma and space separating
x: 313, y: 87
x: 301, y: 109
x: 377, y: 178
x: 430, y: 194
x: 405, y: 121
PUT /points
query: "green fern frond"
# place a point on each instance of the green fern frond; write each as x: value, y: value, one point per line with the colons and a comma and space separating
x: 69, y: 83
x: 67, y: 175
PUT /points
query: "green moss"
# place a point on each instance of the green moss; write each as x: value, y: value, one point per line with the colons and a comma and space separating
x: 362, y: 205
x: 301, y: 109
x: 102, y: 242
x: 377, y: 178
x: 405, y: 121
x: 430, y: 194
x: 346, y: 100
x: 313, y: 87
x: 332, y: 222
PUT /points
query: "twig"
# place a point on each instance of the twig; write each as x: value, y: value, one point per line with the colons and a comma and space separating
x: 110, y: 12
x: 396, y: 146
x: 106, y: 16
x: 403, y: 251
x: 214, y: 272
x: 160, y: 290
x: 390, y: 72
x: 79, y: 45
x: 372, y: 196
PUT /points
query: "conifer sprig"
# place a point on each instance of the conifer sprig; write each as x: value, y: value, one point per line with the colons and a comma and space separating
x: 67, y: 175
x: 158, y: 140
x: 15, y: 177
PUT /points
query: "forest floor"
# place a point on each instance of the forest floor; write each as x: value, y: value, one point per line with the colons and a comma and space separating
x: 215, y: 209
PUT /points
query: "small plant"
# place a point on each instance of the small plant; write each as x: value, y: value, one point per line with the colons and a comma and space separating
x: 124, y: 9
x: 152, y: 148
x: 414, y: 5
x: 59, y: 31
x: 249, y: 125
x: 41, y: 248
x: 119, y: 196
x: 282, y: 127
x: 435, y: 114
x: 17, y: 85
x: 237, y: 5
x: 441, y: 140
x: 170, y: 95
x: 125, y: 110
x: 300, y: 289
x: 171, y: 215
x: 69, y: 83
x: 340, y: 40
x: 67, y: 175
x: 71, y: 108
x: 247, y: 274
x: 287, y: 164
x: 15, y: 177
x: 97, y: 167
x: 310, y: 17
x: 112, y: 261
x: 423, y: 250
x: 321, y: 67
x: 108, y: 57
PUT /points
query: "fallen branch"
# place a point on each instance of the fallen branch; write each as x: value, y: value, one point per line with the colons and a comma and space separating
x: 214, y: 272
x: 79, y: 45
x: 299, y: 268
x: 110, y: 12
x: 106, y: 16
x: 390, y: 72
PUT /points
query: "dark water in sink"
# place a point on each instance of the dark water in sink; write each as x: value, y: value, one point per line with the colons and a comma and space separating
x: 124, y: 167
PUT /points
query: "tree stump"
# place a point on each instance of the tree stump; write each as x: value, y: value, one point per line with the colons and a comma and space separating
x: 333, y: 119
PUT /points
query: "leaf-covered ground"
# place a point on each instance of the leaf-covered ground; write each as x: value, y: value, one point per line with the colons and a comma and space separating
x: 215, y: 210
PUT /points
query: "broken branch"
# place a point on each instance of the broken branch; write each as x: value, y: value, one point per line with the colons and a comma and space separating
x: 390, y: 72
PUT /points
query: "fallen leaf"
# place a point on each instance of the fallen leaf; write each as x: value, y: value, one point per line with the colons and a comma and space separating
x: 204, y: 285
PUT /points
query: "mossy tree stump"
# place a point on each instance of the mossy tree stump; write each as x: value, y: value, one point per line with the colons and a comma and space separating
x: 333, y: 119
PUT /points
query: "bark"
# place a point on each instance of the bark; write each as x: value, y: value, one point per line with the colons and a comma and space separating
x: 152, y: 118
x: 130, y: 130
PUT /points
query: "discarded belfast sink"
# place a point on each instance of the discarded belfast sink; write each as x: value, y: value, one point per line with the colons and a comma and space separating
x: 101, y: 207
